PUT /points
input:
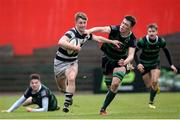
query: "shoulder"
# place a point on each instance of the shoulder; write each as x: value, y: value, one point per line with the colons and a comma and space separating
x: 28, y: 91
x: 132, y: 36
x: 114, y: 28
x: 162, y: 41
x: 141, y: 41
x: 114, y: 31
x: 71, y: 33
x: 44, y: 88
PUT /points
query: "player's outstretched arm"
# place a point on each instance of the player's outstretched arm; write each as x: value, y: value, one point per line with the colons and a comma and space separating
x: 15, y: 105
x: 105, y: 40
x: 105, y: 29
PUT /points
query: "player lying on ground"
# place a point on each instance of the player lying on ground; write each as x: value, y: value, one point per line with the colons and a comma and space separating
x: 36, y: 93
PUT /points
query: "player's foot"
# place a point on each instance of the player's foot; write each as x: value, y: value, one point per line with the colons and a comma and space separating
x: 66, y: 108
x: 152, y: 106
x: 103, y: 112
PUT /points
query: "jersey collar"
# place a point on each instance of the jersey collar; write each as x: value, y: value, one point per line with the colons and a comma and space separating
x: 126, y: 35
x: 38, y: 90
x: 152, y: 43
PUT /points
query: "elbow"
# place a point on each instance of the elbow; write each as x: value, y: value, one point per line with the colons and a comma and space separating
x: 60, y: 42
x: 44, y: 109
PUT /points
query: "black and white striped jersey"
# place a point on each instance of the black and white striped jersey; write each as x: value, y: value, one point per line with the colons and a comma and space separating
x: 62, y: 53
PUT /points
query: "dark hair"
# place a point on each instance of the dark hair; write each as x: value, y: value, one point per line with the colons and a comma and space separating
x: 81, y: 15
x: 132, y: 19
x: 152, y: 25
x: 34, y: 76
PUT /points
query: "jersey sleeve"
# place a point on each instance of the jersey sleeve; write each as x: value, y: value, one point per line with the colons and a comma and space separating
x: 133, y: 41
x: 89, y: 37
x: 17, y: 104
x: 114, y: 28
x: 140, y: 43
x: 114, y: 31
x: 27, y: 93
x: 44, y: 93
x: 70, y: 34
x: 163, y: 43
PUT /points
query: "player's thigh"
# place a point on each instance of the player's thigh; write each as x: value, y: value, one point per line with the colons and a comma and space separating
x: 61, y: 82
x: 147, y: 79
x: 71, y: 71
x: 155, y: 74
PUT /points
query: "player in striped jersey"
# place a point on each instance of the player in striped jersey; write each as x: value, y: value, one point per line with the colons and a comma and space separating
x: 115, y: 60
x: 149, y: 63
x: 65, y: 64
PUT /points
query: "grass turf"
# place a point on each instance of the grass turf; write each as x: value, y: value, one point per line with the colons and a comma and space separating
x: 86, y: 106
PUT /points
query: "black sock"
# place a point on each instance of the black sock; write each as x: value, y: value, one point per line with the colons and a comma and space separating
x: 152, y: 95
x: 68, y: 99
x: 109, y: 97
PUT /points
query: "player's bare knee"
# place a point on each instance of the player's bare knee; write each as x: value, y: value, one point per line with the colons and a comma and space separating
x: 114, y: 86
x: 63, y: 90
x: 154, y: 85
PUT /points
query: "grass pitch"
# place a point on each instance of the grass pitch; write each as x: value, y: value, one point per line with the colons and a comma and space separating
x: 86, y: 106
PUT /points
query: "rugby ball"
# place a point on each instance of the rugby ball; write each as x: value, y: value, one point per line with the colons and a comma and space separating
x: 73, y: 42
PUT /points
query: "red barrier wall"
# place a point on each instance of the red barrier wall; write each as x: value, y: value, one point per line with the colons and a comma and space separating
x: 29, y: 24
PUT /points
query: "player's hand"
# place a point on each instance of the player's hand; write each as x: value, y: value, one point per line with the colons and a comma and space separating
x: 5, y: 111
x: 140, y: 68
x: 117, y: 43
x: 174, y: 68
x: 78, y: 48
x: 121, y: 62
x: 28, y: 109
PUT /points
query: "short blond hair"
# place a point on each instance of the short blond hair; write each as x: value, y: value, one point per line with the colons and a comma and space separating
x: 80, y: 15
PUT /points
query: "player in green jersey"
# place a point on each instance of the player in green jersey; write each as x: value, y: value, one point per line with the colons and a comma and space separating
x: 149, y: 61
x: 36, y: 93
x: 116, y: 60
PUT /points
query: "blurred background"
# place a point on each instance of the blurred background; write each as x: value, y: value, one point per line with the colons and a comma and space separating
x: 30, y: 30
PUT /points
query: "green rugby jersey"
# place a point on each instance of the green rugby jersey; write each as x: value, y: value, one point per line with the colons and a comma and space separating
x: 43, y: 92
x: 114, y: 53
x: 150, y: 50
